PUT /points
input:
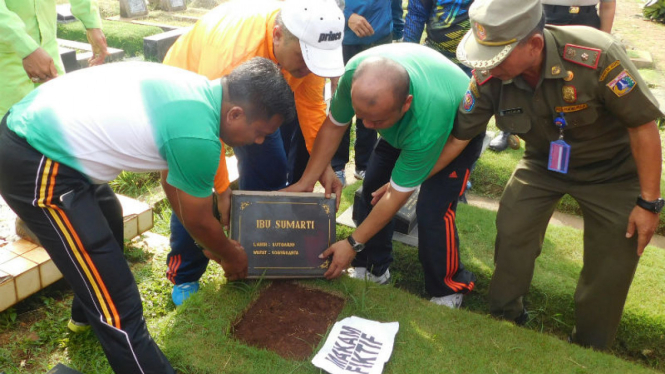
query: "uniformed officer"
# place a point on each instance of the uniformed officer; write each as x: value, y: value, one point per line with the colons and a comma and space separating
x: 588, y: 121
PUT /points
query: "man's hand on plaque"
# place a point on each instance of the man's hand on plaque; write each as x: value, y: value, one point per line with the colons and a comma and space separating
x: 235, y: 266
x: 299, y: 186
x: 331, y: 184
x: 378, y: 194
x: 342, y: 255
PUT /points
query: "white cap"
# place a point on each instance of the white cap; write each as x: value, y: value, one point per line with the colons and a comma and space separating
x: 319, y: 25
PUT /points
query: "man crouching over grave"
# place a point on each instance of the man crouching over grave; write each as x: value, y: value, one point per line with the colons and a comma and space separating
x: 409, y: 94
x: 305, y: 38
x: 60, y: 146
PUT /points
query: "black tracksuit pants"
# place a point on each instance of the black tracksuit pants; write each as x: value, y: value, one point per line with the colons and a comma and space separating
x: 80, y: 226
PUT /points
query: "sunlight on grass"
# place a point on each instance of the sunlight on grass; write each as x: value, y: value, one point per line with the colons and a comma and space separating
x: 421, y: 332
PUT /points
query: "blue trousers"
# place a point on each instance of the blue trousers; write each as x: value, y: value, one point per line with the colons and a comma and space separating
x: 270, y: 166
x: 438, y: 242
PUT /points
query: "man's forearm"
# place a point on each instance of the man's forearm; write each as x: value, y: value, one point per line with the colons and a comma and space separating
x: 209, y: 234
x: 205, y: 229
x: 645, y: 145
x: 450, y: 151
x: 326, y: 144
x: 606, y: 13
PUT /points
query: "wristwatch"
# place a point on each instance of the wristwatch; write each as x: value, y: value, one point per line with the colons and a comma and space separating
x: 653, y: 206
x: 355, y: 245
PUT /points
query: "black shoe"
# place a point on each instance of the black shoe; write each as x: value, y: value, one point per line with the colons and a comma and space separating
x: 500, y: 142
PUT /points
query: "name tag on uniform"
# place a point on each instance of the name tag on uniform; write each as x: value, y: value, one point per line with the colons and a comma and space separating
x: 511, y: 111
x: 559, y: 156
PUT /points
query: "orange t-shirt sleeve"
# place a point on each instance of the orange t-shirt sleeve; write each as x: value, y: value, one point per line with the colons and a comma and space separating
x: 222, y: 176
x: 310, y: 107
x: 185, y: 53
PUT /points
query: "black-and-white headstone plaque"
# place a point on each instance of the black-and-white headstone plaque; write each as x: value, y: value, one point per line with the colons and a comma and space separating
x: 283, y: 233
x: 405, y: 219
x: 133, y: 8
x: 173, y: 5
x: 64, y: 12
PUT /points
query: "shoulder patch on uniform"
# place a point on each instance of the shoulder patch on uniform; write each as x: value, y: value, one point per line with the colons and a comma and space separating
x: 469, y: 101
x: 608, y: 70
x: 585, y: 56
x: 622, y: 84
x: 473, y: 87
x: 481, y: 76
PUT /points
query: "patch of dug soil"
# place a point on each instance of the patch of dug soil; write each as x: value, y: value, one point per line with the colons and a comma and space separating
x: 288, y: 319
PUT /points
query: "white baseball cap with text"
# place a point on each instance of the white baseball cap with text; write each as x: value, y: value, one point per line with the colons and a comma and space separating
x: 319, y: 25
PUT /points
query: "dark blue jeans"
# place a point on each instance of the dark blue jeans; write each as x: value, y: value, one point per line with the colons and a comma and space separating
x: 269, y: 166
x: 560, y: 15
x: 438, y: 242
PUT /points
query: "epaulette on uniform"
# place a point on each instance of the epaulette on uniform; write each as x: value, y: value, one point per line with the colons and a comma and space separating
x: 481, y: 76
x: 585, y: 56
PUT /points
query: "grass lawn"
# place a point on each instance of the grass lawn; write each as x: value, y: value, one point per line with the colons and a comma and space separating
x: 432, y: 339
x: 121, y: 35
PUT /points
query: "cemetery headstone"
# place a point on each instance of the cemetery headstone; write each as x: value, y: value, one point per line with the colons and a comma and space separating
x: 64, y: 12
x: 156, y: 46
x: 68, y: 57
x: 133, y: 8
x: 405, y: 219
x: 173, y: 5
x: 283, y: 233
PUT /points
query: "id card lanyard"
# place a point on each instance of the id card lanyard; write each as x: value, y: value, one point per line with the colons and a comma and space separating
x: 559, y: 156
x: 559, y: 150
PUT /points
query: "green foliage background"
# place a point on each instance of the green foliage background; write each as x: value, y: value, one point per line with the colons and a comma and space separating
x: 655, y: 10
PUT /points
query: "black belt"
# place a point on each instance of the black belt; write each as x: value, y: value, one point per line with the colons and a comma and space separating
x: 569, y: 9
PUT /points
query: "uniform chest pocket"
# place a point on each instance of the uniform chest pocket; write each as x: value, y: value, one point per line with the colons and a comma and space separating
x: 514, y: 120
x: 581, y: 118
x: 514, y: 110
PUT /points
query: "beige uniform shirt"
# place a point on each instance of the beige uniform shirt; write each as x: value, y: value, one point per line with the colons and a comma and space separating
x: 587, y: 76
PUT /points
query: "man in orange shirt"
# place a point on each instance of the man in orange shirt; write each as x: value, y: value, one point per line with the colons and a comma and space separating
x: 305, y: 39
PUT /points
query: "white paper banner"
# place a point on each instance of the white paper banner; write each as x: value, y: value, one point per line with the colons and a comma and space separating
x: 357, y: 345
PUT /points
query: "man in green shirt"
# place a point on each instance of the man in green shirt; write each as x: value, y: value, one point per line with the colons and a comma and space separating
x: 60, y: 146
x: 409, y: 94
x: 28, y: 48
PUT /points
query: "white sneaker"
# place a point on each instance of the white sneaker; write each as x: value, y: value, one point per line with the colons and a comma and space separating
x: 453, y: 301
x: 363, y: 274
